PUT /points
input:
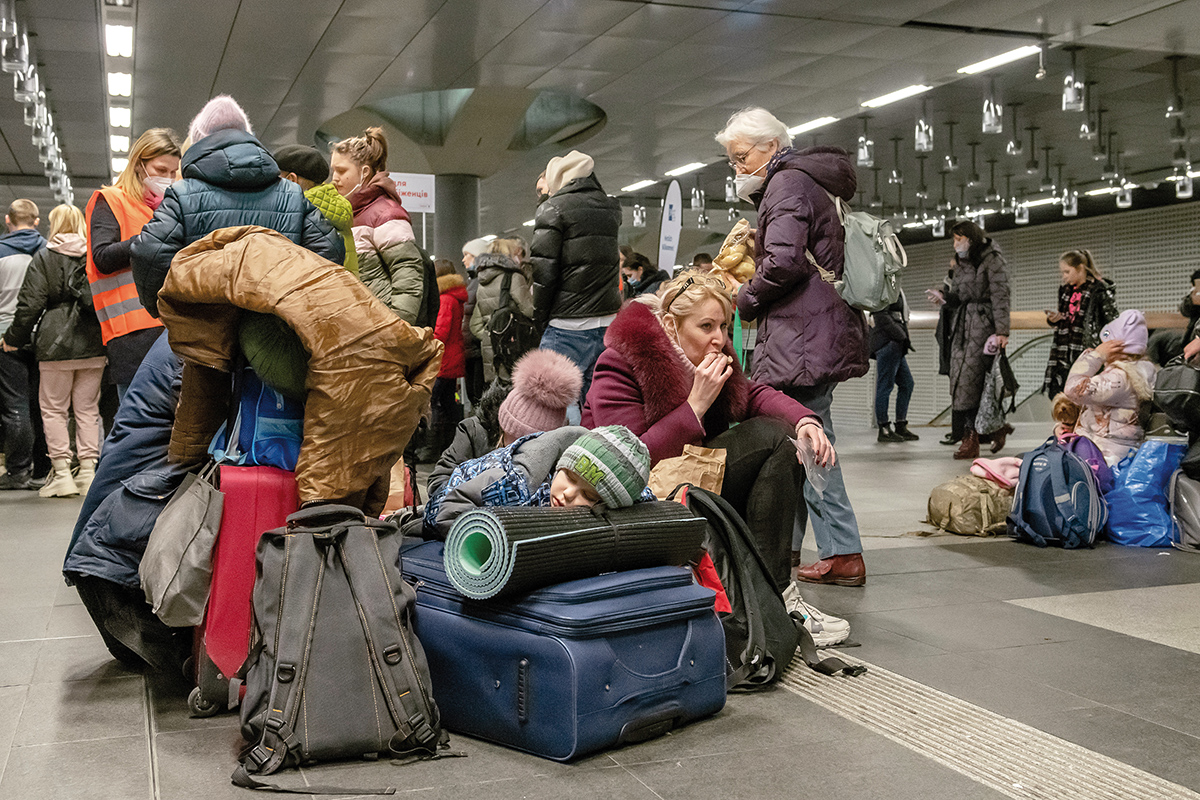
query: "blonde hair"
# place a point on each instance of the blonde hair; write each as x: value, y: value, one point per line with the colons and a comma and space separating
x: 66, y: 218
x: 368, y: 150
x: 1082, y: 258
x: 506, y: 247
x: 679, y: 298
x: 149, y: 146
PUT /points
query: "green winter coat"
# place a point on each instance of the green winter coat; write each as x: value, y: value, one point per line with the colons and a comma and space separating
x: 340, y: 215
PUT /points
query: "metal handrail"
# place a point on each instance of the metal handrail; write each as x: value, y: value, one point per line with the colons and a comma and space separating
x: 1014, y: 356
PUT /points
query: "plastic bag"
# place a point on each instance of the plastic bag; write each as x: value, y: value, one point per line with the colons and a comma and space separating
x: 1139, y: 515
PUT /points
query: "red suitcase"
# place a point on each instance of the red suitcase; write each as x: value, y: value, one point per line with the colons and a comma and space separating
x: 257, y: 499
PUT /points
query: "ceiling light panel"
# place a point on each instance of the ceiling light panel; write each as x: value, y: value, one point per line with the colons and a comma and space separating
x: 1003, y: 58
x: 118, y: 143
x: 686, y: 168
x: 120, y: 84
x: 820, y: 122
x: 899, y: 94
x: 120, y: 117
x: 118, y: 40
x: 633, y: 187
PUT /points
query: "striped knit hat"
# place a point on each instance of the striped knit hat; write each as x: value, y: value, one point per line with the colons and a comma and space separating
x: 612, y: 460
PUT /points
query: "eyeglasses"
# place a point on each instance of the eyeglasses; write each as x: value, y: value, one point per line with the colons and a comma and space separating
x: 682, y: 289
x: 739, y: 159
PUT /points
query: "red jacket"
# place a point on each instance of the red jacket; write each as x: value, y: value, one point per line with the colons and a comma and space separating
x: 640, y: 382
x: 448, y: 330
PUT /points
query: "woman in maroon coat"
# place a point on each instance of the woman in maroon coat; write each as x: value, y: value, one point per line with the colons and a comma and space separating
x: 671, y: 377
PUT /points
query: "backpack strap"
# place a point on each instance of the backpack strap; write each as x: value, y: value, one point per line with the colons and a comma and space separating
x: 386, y: 631
x: 300, y: 588
x: 1074, y: 529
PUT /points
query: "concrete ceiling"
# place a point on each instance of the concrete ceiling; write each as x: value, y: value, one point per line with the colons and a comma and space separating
x: 667, y: 73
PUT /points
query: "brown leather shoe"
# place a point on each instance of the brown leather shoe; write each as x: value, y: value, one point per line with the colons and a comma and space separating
x: 1000, y: 437
x: 968, y: 449
x: 847, y: 570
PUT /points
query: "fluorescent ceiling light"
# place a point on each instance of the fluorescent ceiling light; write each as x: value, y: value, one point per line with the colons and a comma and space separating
x: 984, y: 212
x: 914, y: 225
x: 118, y: 40
x: 899, y: 94
x: 120, y: 84
x: 1045, y: 201
x: 1003, y: 58
x: 686, y: 168
x: 120, y: 117
x: 1102, y: 190
x: 119, y: 164
x: 633, y: 187
x: 528, y: 223
x: 118, y: 143
x: 811, y: 125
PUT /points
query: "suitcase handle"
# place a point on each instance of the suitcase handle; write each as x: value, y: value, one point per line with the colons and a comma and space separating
x: 648, y: 727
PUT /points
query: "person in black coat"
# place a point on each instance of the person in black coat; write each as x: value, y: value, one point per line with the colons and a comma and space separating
x: 574, y: 260
x: 640, y: 276
x: 889, y: 345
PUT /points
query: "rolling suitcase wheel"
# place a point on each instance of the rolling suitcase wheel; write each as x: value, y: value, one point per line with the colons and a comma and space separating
x: 201, y: 707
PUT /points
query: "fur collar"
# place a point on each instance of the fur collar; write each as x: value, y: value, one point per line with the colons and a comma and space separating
x: 665, y: 381
x: 451, y: 281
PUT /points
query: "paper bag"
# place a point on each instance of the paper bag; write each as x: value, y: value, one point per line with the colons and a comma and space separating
x: 700, y: 466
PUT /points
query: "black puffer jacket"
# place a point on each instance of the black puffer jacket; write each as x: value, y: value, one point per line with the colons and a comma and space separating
x: 574, y: 253
x: 62, y: 326
x: 229, y: 180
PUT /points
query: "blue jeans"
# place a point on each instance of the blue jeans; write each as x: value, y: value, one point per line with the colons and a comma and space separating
x: 891, y: 369
x: 834, y: 525
x: 582, y: 347
x: 15, y: 413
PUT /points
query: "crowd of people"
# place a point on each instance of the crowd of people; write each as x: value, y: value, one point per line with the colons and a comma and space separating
x: 548, y: 340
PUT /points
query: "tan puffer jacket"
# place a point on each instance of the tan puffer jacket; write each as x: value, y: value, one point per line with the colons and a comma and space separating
x: 370, y: 374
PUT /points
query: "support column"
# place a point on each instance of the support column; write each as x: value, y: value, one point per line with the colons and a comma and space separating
x: 456, y: 221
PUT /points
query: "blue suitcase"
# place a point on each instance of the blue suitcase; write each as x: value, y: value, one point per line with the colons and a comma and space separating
x: 574, y: 668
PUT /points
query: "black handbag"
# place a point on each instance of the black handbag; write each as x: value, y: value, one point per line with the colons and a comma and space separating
x: 1177, y: 393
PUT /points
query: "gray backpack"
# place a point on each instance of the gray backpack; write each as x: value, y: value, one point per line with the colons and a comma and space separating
x: 870, y: 278
x: 335, y: 671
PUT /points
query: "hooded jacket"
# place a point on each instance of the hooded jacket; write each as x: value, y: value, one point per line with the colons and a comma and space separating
x: 641, y: 382
x: 491, y: 269
x: 1116, y: 401
x: 369, y: 374
x: 807, y: 334
x: 16, y: 251
x: 573, y: 254
x: 56, y: 299
x: 389, y: 261
x: 649, y: 284
x: 337, y: 210
x: 229, y: 179
x: 452, y: 290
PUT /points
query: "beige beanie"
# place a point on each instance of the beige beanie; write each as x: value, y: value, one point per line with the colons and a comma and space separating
x: 563, y: 169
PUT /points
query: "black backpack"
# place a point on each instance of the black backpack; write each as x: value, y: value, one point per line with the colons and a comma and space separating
x: 427, y: 313
x: 760, y: 636
x: 336, y: 671
x: 513, y: 334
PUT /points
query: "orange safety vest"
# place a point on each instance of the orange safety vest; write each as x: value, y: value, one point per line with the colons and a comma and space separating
x: 115, y: 296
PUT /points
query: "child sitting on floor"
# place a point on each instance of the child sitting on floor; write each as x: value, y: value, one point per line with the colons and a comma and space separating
x: 569, y: 466
x: 1114, y: 385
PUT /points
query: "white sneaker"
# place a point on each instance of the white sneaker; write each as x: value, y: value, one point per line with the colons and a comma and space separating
x: 826, y: 629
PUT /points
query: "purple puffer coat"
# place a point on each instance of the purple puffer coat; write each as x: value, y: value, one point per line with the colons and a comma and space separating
x: 807, y: 334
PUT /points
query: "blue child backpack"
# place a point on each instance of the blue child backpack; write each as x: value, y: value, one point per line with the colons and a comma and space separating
x: 270, y: 428
x: 1058, y: 500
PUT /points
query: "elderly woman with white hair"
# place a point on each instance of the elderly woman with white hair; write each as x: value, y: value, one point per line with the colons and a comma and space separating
x: 809, y: 339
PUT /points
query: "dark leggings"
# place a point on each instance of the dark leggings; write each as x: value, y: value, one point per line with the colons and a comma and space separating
x: 762, y: 482
x: 962, y: 421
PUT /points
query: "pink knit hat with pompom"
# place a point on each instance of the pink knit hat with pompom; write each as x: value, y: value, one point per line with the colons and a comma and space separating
x: 220, y: 113
x: 544, y: 384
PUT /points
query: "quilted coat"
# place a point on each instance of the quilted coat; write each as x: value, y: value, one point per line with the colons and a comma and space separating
x: 574, y: 253
x: 337, y: 210
x: 979, y: 303
x: 369, y: 374
x: 642, y: 382
x: 1116, y: 400
x: 229, y: 179
x: 491, y: 268
x: 389, y: 261
x: 807, y: 335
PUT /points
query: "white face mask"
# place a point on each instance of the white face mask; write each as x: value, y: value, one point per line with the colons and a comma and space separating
x: 962, y: 249
x: 156, y: 187
x: 749, y: 184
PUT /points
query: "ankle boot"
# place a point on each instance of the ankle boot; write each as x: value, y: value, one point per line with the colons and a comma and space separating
x: 904, y: 433
x: 85, y: 475
x: 887, y: 435
x: 1000, y: 437
x: 61, y: 484
x: 969, y: 448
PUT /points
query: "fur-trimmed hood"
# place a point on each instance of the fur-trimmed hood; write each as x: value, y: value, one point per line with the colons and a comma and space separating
x: 452, y: 281
x: 665, y: 381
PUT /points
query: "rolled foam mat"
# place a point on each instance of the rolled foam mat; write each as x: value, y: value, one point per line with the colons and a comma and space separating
x: 505, y: 550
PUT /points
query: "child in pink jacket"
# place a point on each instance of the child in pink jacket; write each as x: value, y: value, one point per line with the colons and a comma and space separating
x: 1114, y: 384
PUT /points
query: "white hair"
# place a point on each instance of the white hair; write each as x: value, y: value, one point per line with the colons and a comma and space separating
x: 754, y: 126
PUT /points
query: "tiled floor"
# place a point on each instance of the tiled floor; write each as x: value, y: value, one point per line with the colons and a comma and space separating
x: 1096, y: 647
